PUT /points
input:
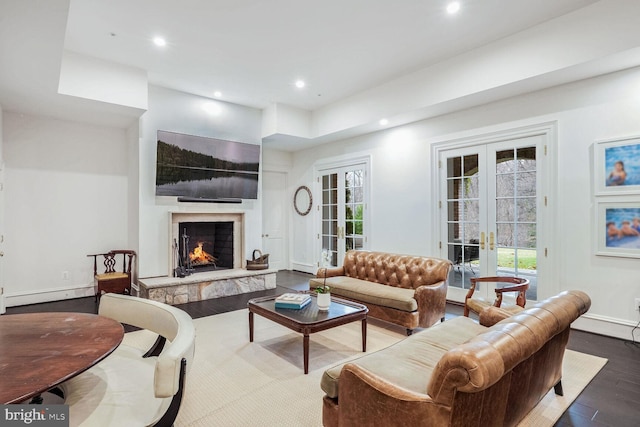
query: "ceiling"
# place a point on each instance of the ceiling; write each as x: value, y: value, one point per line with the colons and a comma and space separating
x: 253, y: 51
x: 352, y: 54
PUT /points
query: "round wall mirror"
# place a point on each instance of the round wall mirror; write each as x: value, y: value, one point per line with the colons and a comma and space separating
x: 303, y: 200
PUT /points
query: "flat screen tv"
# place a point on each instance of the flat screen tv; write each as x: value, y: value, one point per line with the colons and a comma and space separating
x: 196, y: 167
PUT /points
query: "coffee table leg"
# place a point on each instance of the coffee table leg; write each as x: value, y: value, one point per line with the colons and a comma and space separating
x: 305, y: 343
x: 250, y: 326
x: 364, y: 334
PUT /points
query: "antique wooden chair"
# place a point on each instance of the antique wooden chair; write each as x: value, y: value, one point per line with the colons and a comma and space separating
x: 113, y: 280
x: 503, y: 284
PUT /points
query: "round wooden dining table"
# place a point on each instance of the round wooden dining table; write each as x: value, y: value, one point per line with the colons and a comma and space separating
x: 38, y: 351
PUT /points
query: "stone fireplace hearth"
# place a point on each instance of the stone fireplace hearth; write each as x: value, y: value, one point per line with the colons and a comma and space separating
x: 221, y: 236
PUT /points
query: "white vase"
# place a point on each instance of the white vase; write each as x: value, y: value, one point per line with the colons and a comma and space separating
x: 324, y: 301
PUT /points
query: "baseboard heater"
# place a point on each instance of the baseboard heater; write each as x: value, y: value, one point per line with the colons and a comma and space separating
x: 203, y: 200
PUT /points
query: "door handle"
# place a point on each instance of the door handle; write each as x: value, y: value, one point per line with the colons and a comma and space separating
x: 482, y: 237
x: 491, y: 241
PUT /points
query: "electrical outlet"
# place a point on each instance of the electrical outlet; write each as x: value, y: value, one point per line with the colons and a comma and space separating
x: 637, y: 306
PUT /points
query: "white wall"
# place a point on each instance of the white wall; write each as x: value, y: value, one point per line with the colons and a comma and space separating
x: 402, y: 203
x: 184, y: 113
x: 66, y: 197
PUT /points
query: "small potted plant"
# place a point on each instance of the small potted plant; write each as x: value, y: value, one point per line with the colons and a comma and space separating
x: 324, y: 294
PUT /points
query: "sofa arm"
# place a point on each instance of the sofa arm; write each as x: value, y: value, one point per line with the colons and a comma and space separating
x: 489, y: 316
x: 432, y: 303
x: 366, y: 399
x: 330, y: 272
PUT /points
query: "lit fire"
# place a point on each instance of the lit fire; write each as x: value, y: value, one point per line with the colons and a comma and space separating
x: 199, y: 256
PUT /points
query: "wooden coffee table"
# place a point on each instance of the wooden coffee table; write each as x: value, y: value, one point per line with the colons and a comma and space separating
x: 309, y: 319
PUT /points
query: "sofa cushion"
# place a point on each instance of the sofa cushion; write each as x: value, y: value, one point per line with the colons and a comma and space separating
x: 410, y: 362
x: 369, y: 292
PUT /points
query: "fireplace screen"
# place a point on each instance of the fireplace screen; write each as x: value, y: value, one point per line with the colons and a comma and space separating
x: 204, y: 246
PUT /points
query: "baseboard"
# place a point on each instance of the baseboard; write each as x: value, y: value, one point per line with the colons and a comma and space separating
x: 304, y: 267
x: 604, y: 325
x: 46, y: 295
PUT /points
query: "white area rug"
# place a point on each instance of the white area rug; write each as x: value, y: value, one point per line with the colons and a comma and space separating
x: 233, y: 382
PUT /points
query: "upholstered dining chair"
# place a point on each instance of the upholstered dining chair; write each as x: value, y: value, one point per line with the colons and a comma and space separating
x: 503, y: 285
x: 113, y: 279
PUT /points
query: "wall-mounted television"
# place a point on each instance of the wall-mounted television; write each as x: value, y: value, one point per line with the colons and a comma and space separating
x: 196, y: 167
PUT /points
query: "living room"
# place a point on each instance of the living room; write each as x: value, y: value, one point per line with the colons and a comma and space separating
x: 78, y: 169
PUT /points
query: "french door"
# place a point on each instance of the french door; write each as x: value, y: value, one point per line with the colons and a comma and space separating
x: 490, y: 204
x: 343, y: 212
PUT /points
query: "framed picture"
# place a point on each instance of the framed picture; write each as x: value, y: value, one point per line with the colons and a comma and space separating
x: 618, y: 229
x: 617, y: 166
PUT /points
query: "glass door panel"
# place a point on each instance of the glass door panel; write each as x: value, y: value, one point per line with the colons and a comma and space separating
x: 343, y: 212
x: 489, y: 215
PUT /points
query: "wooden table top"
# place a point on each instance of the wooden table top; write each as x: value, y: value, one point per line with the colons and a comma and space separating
x: 38, y: 351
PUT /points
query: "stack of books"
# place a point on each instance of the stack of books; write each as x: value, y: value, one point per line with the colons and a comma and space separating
x: 293, y: 301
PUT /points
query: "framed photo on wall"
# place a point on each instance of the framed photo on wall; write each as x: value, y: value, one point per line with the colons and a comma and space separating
x: 617, y: 166
x: 618, y: 229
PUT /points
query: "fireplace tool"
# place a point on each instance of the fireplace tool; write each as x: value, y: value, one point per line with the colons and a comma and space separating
x: 185, y: 254
x: 179, y: 271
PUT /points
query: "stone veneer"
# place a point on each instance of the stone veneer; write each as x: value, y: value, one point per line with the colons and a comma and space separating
x: 207, y: 285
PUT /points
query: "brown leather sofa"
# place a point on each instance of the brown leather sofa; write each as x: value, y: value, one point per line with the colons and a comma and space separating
x: 410, y: 291
x: 457, y: 373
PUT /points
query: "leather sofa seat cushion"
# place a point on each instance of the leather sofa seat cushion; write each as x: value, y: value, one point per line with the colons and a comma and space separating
x: 410, y: 362
x: 369, y: 292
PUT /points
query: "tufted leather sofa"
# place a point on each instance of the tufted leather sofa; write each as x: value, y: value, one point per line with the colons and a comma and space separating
x: 457, y: 373
x: 410, y: 291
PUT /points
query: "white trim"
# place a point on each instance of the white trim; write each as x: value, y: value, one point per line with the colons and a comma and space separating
x: 604, y: 325
x: 305, y: 267
x: 50, y: 294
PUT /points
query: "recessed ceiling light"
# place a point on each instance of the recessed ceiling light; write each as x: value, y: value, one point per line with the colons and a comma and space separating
x: 384, y: 122
x: 300, y: 84
x: 453, y: 7
x: 159, y: 41
x: 217, y: 94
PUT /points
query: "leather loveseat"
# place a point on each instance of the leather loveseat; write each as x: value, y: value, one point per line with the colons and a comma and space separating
x: 457, y: 373
x: 410, y: 291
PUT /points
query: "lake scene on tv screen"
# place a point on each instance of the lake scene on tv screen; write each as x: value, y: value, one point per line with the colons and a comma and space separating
x: 208, y: 168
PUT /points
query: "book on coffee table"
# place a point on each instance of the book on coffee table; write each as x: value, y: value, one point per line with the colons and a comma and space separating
x: 294, y: 301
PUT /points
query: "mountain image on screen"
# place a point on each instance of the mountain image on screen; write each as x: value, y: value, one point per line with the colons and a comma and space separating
x: 207, y: 168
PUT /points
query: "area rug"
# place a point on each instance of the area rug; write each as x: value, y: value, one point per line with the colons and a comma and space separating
x: 233, y: 382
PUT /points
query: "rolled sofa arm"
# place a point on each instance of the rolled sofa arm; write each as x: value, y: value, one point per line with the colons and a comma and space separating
x: 366, y: 399
x: 330, y: 272
x: 489, y: 316
x: 432, y: 303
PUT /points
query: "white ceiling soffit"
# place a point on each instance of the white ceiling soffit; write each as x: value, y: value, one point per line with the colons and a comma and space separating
x: 362, y: 60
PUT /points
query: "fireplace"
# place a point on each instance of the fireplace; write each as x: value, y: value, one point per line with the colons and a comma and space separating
x: 206, y: 245
x: 214, y: 241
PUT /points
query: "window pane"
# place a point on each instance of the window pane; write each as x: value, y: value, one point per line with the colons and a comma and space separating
x: 504, y: 161
x: 472, y: 187
x: 454, y: 188
x: 453, y: 211
x: 526, y: 184
x: 505, y: 234
x: 504, y: 185
x: 471, y: 210
x: 526, y: 209
x: 470, y: 165
x: 471, y: 232
x: 526, y: 158
x: 526, y: 236
x: 505, y: 210
x: 454, y: 167
x: 454, y: 232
